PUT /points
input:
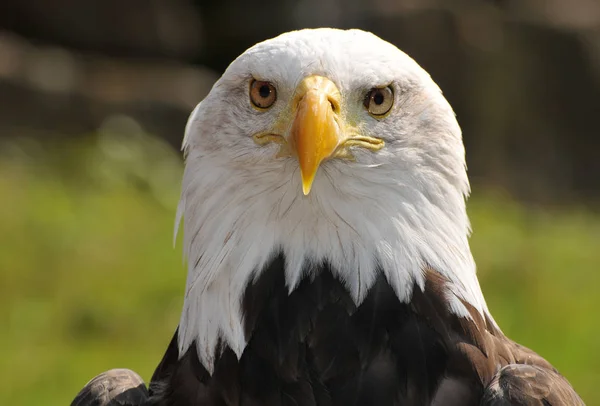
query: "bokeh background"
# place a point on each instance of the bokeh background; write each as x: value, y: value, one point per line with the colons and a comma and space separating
x: 94, y: 96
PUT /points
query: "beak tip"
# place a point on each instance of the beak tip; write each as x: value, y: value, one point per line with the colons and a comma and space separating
x: 307, y: 182
x: 306, y: 186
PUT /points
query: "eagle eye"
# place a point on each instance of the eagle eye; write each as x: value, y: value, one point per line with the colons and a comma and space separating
x: 262, y: 94
x: 378, y: 101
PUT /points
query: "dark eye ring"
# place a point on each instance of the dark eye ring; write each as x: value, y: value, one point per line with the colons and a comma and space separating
x: 379, y: 101
x: 262, y: 94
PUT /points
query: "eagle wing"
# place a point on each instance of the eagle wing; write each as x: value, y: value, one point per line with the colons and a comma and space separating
x: 529, y: 385
x: 111, y: 388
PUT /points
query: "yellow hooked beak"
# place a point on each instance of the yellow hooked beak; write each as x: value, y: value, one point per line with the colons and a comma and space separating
x: 316, y: 132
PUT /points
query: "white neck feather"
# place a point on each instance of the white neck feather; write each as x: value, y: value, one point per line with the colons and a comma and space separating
x: 236, y: 217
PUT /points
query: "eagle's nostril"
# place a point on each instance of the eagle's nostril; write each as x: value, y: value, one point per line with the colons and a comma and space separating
x: 333, y: 103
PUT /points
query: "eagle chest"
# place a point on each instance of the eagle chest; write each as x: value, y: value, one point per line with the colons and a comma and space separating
x: 314, y: 346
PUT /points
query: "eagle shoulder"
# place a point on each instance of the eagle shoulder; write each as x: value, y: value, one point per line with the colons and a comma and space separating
x: 529, y: 385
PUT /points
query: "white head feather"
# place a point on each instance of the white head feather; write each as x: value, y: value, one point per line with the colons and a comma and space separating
x: 399, y: 209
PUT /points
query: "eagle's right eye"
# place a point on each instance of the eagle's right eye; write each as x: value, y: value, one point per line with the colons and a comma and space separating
x: 262, y: 94
x: 379, y: 101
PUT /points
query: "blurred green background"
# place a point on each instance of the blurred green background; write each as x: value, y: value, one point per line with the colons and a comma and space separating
x: 93, y: 101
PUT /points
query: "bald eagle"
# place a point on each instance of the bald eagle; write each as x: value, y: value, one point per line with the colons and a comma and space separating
x: 323, y: 209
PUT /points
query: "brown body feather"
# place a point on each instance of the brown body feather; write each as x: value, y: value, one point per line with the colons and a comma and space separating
x: 315, y: 347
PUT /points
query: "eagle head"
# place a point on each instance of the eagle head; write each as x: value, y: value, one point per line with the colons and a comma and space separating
x: 324, y: 145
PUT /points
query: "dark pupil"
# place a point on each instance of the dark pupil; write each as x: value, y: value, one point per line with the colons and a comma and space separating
x: 378, y: 98
x: 264, y: 91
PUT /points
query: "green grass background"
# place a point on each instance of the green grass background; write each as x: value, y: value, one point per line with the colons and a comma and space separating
x: 89, y: 278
